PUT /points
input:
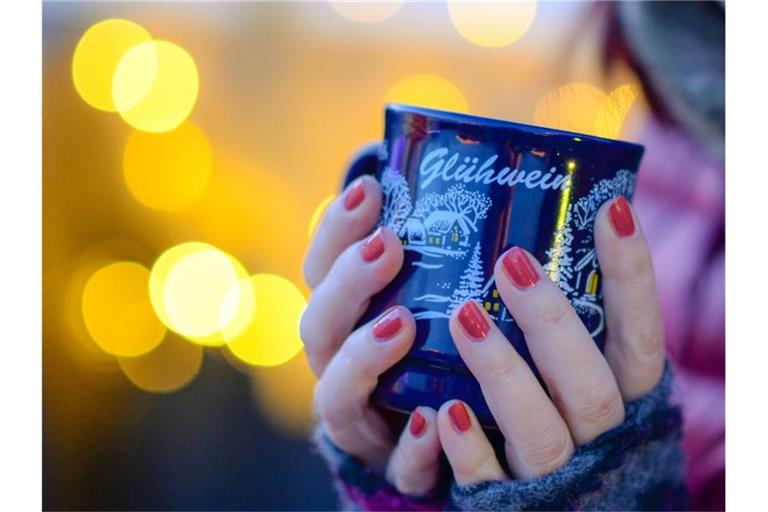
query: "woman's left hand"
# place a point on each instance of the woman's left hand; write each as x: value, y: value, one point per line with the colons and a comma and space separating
x: 587, y: 389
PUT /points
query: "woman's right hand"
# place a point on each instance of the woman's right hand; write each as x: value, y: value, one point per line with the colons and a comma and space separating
x: 345, y: 270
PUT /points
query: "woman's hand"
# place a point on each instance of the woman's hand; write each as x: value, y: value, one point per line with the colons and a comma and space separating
x: 344, y: 272
x: 587, y: 390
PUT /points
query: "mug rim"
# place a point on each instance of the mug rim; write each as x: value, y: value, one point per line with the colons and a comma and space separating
x: 490, y: 122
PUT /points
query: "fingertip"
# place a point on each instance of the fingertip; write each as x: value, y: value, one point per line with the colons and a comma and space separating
x: 466, y: 446
x: 414, y: 465
x: 395, y: 324
x: 422, y: 430
x: 517, y: 270
x: 622, y: 257
x: 382, y: 253
x: 351, y: 216
x: 455, y: 418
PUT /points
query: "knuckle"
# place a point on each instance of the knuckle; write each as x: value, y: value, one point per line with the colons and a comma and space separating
x: 327, y: 408
x: 648, y: 343
x: 503, y: 369
x: 554, y: 314
x: 636, y: 264
x: 407, y: 474
x: 473, y: 462
x: 602, y: 406
x: 314, y: 344
x: 548, y: 449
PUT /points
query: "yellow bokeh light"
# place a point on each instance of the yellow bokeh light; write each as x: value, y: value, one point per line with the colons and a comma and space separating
x: 272, y: 336
x: 366, y: 12
x: 584, y: 108
x: 318, y: 213
x: 491, y: 24
x: 96, y: 56
x: 611, y: 116
x: 285, y: 393
x: 167, y: 171
x: 430, y: 91
x: 117, y: 310
x: 251, y: 211
x: 155, y: 86
x: 169, y: 367
x: 201, y: 293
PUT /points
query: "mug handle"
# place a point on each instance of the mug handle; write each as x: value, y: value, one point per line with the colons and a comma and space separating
x: 365, y: 161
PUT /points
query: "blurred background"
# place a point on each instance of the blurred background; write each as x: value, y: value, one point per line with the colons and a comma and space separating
x: 188, y: 152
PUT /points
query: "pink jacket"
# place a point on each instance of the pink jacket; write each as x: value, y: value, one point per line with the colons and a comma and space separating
x: 680, y: 201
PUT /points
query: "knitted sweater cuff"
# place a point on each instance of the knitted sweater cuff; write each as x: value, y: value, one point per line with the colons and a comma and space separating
x: 638, y: 465
x: 361, y: 488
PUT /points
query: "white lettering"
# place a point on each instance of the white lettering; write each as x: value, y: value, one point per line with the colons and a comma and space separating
x: 434, y: 166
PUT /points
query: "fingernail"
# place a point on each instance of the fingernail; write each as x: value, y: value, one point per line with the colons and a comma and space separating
x: 354, y: 196
x: 388, y: 325
x: 520, y: 269
x: 473, y: 321
x: 373, y: 247
x: 621, y: 217
x: 459, y: 417
x: 418, y: 424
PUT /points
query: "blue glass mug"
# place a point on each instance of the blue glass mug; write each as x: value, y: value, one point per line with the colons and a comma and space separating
x: 459, y: 191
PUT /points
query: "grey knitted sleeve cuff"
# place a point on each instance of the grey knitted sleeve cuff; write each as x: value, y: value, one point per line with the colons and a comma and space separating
x: 638, y: 465
x: 360, y: 488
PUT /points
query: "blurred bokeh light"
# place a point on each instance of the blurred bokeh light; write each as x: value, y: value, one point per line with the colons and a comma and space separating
x: 272, y: 335
x: 492, y: 24
x: 155, y: 86
x: 169, y: 367
x: 428, y: 91
x: 117, y: 310
x: 367, y: 12
x: 97, y: 55
x: 167, y: 171
x: 318, y: 213
x: 584, y: 108
x: 200, y: 292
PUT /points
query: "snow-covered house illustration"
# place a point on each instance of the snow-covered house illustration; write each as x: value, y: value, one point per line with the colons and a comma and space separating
x: 587, y: 278
x: 415, y: 234
x: 447, y: 229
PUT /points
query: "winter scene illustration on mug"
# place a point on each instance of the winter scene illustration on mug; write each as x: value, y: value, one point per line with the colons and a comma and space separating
x: 446, y: 225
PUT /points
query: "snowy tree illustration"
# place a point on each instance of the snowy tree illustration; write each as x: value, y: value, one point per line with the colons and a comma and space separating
x: 585, y: 209
x: 581, y: 216
x: 396, y: 202
x: 470, y: 283
x: 471, y: 205
x: 427, y: 204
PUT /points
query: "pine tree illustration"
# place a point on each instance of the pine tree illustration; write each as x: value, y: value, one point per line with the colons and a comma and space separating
x: 470, y: 282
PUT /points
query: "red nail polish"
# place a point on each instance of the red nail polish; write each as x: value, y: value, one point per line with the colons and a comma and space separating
x: 354, y: 196
x: 520, y: 269
x: 388, y: 325
x: 373, y: 247
x: 418, y: 424
x: 621, y: 217
x: 459, y: 417
x: 473, y: 321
